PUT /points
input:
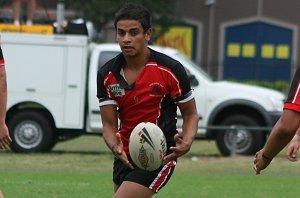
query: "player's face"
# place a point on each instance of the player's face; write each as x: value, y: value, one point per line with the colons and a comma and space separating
x: 131, y: 37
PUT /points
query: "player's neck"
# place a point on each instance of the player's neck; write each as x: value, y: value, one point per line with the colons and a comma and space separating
x: 137, y: 62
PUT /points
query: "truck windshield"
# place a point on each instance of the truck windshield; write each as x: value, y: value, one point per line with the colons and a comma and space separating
x: 186, y: 61
x: 106, y: 56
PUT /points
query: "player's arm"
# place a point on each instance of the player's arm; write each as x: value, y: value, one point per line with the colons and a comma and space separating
x: 189, y: 129
x: 110, y: 124
x: 190, y: 121
x: 4, y: 135
x: 281, y: 134
x: 294, y: 147
x: 110, y: 132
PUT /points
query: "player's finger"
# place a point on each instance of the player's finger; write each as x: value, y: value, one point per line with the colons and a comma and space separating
x: 2, y: 145
x: 254, y: 167
x: 129, y: 165
x: 290, y: 151
x: 257, y: 172
x: 255, y: 160
x: 5, y: 146
x: 294, y: 153
x: 177, y: 138
x: 125, y: 160
x: 7, y: 141
x: 119, y: 144
x: 118, y: 138
x: 169, y: 157
x: 292, y: 159
x: 174, y: 148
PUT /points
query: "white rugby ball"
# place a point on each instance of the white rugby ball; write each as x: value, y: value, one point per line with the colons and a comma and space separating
x: 147, y: 146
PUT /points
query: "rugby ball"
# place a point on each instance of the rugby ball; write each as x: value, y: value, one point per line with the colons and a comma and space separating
x: 147, y: 146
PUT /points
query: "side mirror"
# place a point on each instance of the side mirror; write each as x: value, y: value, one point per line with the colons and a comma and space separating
x: 193, y: 80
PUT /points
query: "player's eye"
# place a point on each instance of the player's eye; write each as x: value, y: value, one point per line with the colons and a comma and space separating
x: 121, y: 33
x: 134, y: 32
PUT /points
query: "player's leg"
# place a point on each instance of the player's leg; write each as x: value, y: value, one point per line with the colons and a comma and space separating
x: 128, y: 189
x: 30, y: 11
x: 1, y: 195
x: 16, y: 11
x: 140, y: 183
x: 116, y: 187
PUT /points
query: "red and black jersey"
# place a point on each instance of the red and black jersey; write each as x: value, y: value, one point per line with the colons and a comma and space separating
x: 1, y: 58
x: 152, y: 98
x: 293, y: 100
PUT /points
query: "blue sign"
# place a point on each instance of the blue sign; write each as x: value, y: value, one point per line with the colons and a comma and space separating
x: 258, y: 51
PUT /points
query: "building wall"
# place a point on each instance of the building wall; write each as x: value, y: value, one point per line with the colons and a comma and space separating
x: 221, y: 12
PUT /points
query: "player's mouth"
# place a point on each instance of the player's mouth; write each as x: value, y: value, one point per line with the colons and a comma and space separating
x: 127, y: 49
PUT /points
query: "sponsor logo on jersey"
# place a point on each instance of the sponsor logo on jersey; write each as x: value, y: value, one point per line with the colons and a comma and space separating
x: 116, y: 90
x: 156, y: 89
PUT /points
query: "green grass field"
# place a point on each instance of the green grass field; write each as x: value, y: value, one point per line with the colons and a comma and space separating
x: 81, y: 168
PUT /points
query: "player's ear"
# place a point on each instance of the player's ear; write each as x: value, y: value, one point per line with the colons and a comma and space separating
x: 148, y: 34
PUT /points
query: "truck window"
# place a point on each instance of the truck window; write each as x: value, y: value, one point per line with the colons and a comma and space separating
x: 193, y: 80
x: 106, y: 56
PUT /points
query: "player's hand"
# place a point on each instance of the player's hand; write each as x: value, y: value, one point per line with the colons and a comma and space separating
x: 5, y: 140
x: 260, y: 162
x: 181, y: 148
x: 292, y: 150
x: 119, y: 152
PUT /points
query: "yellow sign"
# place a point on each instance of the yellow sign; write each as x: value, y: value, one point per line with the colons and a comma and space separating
x: 267, y: 51
x: 38, y: 29
x: 282, y: 52
x: 180, y: 38
x: 233, y: 50
x: 248, y: 50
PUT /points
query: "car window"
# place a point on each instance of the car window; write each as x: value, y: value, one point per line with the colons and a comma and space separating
x: 185, y: 61
x: 193, y: 80
x: 106, y: 56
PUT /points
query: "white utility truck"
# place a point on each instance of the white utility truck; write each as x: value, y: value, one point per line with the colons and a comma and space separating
x: 52, y: 95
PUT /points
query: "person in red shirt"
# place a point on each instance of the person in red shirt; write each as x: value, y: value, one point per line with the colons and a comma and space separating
x: 285, y: 128
x: 4, y: 135
x: 5, y: 139
x: 142, y: 85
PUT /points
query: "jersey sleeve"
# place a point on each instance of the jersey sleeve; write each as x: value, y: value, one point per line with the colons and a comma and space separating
x: 180, y: 85
x: 103, y: 93
x: 2, y: 63
x: 293, y: 100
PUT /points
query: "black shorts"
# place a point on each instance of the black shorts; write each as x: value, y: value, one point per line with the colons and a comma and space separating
x: 154, y: 180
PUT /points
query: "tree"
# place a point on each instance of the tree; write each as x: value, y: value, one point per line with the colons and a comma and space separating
x: 102, y: 12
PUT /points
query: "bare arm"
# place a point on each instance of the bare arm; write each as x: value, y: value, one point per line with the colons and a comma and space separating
x: 110, y: 132
x: 189, y: 130
x: 281, y: 134
x: 110, y: 124
x: 4, y: 135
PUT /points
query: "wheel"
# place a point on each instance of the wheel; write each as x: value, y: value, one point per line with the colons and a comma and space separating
x: 241, y: 141
x: 30, y: 132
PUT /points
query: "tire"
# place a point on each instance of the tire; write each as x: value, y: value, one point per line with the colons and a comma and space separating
x: 241, y: 141
x: 30, y: 132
